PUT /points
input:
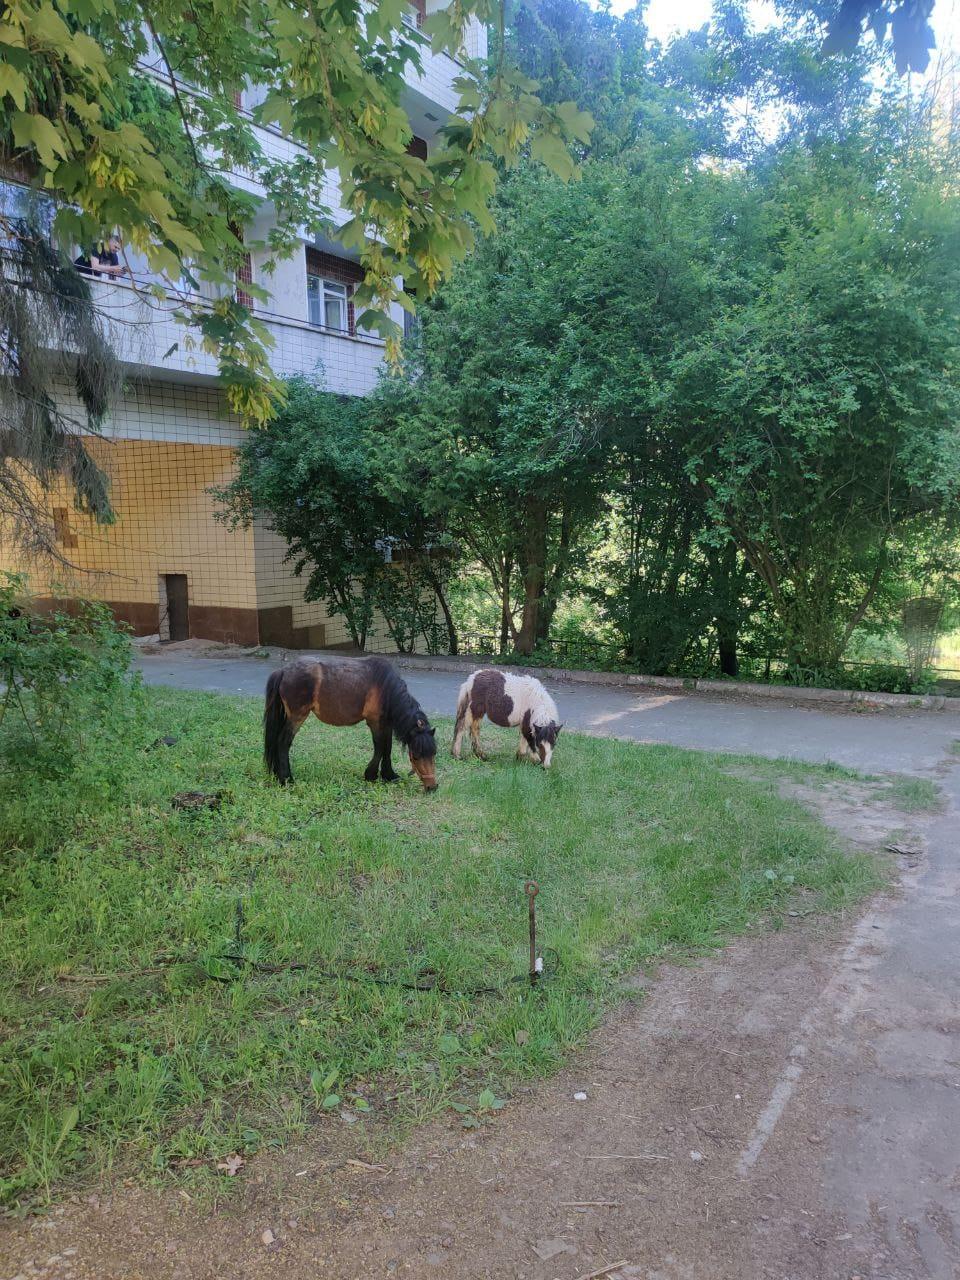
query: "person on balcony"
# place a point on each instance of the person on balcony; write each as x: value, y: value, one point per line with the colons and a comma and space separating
x: 104, y: 261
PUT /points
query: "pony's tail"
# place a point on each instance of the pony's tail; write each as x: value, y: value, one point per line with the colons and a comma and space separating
x: 276, y: 731
x: 462, y: 705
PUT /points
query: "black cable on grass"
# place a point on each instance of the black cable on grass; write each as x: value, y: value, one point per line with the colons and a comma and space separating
x: 242, y: 962
x: 549, y: 959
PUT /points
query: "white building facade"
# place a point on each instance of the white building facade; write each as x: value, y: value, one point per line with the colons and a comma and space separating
x: 167, y: 566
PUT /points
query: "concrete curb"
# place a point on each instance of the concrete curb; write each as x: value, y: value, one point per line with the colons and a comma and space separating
x: 721, y: 688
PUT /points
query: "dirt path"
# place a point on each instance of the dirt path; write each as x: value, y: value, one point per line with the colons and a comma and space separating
x: 789, y: 1109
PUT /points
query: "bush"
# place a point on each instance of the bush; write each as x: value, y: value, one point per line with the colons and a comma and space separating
x: 872, y: 677
x: 66, y: 687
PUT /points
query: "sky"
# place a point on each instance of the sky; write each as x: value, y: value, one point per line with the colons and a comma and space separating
x: 670, y: 17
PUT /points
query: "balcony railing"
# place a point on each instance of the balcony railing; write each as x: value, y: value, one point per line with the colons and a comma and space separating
x: 146, y: 333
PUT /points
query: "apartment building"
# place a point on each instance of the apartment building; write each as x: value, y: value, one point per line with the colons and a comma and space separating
x: 167, y: 566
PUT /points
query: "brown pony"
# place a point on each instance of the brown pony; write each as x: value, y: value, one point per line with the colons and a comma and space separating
x: 346, y: 691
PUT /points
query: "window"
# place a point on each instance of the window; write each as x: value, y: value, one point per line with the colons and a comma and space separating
x: 244, y: 272
x: 245, y: 276
x: 414, y: 13
x: 330, y: 284
x: 327, y: 303
x: 61, y: 528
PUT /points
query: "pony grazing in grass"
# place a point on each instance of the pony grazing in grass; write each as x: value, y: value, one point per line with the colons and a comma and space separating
x: 345, y: 691
x: 508, y: 700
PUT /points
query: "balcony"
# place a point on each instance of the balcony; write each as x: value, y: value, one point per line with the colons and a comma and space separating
x: 148, y: 339
x: 433, y: 96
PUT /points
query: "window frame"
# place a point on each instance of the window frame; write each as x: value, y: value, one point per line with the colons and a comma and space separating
x: 326, y: 290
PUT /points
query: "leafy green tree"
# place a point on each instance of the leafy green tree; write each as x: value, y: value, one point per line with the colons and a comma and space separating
x: 589, y: 56
x: 820, y: 403
x: 311, y: 473
x: 73, y: 124
x: 509, y: 441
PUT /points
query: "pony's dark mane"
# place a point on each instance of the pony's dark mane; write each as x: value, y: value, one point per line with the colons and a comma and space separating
x: 401, y: 710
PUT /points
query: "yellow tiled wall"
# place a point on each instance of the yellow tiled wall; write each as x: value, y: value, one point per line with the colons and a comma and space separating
x: 165, y: 524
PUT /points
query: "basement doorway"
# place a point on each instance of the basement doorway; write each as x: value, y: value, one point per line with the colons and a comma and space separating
x: 174, y: 607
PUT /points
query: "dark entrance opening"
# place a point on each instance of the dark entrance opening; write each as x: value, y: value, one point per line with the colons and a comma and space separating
x: 178, y: 620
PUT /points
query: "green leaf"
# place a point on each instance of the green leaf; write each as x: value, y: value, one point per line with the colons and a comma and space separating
x: 39, y: 132
x: 320, y: 1081
x: 377, y: 322
x: 449, y: 1044
x: 13, y: 84
x: 71, y: 1118
x: 47, y: 26
x: 578, y: 124
x: 275, y: 109
x: 552, y: 152
x: 330, y: 1101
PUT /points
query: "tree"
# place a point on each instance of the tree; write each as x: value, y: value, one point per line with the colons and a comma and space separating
x: 906, y: 21
x: 821, y: 401
x: 508, y: 441
x: 590, y: 56
x: 50, y: 332
x: 312, y: 473
x: 73, y: 123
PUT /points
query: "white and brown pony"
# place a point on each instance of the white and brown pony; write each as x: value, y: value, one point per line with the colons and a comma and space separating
x: 508, y: 700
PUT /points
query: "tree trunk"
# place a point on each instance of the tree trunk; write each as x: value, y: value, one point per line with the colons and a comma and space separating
x: 506, y: 617
x: 727, y: 648
x: 534, y: 574
x: 727, y: 621
x: 554, y: 588
x: 437, y: 585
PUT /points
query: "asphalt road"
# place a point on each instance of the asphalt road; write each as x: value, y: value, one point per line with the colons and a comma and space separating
x: 868, y: 740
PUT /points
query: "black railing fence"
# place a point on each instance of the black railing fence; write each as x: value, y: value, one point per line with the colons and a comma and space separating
x: 600, y: 655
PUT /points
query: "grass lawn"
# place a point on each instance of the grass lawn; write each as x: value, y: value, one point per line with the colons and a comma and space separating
x: 120, y: 1044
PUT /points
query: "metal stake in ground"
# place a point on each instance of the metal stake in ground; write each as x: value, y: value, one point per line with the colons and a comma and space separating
x: 531, y: 889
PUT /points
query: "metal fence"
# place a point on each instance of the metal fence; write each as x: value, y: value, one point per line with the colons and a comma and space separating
x: 601, y: 655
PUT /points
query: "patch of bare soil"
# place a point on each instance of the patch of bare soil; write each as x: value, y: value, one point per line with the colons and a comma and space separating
x: 683, y: 1162
x: 199, y: 648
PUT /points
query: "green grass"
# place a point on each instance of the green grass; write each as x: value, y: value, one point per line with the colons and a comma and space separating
x: 119, y: 1044
x: 913, y: 795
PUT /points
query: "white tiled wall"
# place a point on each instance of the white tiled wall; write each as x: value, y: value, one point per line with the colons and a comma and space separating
x: 172, y: 412
x: 147, y: 337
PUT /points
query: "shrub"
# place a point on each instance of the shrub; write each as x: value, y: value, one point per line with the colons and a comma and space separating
x: 873, y: 677
x: 65, y: 683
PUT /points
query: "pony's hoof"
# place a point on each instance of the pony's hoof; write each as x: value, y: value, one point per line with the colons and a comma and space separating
x: 389, y: 777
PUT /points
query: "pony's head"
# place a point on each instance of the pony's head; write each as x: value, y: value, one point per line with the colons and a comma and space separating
x: 423, y: 753
x: 404, y: 715
x: 545, y: 739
